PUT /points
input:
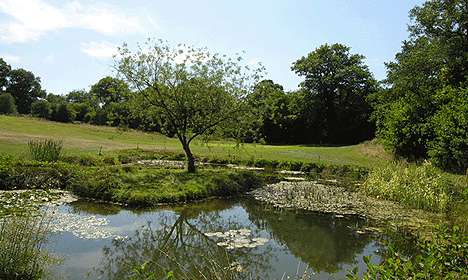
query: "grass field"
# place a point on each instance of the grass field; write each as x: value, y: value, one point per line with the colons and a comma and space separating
x: 15, y: 132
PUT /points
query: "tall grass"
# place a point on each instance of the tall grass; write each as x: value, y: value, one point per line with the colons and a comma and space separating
x: 422, y: 186
x: 21, y: 247
x: 45, y: 149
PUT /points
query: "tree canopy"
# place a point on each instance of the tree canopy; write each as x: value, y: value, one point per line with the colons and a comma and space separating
x: 194, y: 90
x: 428, y: 76
x: 336, y: 85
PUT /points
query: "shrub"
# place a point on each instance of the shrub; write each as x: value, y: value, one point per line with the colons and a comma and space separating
x: 81, y: 109
x: 449, y: 148
x: 21, y: 245
x: 441, y: 257
x: 40, y: 109
x: 64, y: 113
x: 45, y: 150
x: 15, y: 174
x: 83, y: 160
x: 7, y: 104
x: 423, y: 187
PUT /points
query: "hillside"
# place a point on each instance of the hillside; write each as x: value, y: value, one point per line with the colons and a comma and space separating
x: 15, y: 132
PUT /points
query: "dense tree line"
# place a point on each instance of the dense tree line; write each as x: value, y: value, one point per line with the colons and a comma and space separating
x: 419, y: 111
x: 423, y: 110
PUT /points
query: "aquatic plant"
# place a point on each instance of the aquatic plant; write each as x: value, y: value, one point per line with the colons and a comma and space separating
x: 21, y: 247
x: 45, y: 150
x: 443, y: 256
x: 419, y: 186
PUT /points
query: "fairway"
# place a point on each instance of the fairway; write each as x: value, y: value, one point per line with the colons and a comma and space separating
x: 15, y: 132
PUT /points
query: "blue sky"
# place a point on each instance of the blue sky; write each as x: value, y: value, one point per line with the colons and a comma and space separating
x: 69, y: 44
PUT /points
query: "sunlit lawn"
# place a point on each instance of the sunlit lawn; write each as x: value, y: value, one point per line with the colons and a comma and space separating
x: 15, y: 132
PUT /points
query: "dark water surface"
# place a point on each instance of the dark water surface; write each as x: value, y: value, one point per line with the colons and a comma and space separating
x: 328, y: 246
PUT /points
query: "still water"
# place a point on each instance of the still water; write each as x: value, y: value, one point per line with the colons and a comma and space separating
x: 260, y: 241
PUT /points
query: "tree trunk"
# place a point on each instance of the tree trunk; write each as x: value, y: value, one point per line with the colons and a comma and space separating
x: 190, y: 159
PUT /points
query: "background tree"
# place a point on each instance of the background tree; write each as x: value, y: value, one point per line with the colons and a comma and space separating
x: 110, y: 90
x: 7, y: 104
x: 78, y: 96
x: 25, y: 88
x: 4, y: 71
x: 336, y: 86
x: 63, y: 113
x: 270, y: 119
x: 40, y: 109
x: 428, y: 76
x: 194, y: 90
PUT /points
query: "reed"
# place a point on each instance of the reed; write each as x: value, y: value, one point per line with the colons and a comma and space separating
x: 418, y: 186
x: 21, y: 247
x: 45, y: 149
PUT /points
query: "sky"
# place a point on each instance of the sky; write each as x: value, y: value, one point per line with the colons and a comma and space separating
x: 69, y: 44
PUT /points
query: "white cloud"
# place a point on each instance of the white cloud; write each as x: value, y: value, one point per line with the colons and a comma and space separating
x: 102, y: 50
x: 31, y: 19
x: 10, y: 58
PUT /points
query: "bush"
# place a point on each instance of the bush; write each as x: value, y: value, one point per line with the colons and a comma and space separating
x: 21, y: 246
x: 45, y: 150
x: 7, y: 104
x: 423, y: 187
x: 15, y: 174
x: 40, y: 109
x: 449, y: 148
x: 83, y: 160
x: 82, y: 110
x: 148, y: 187
x: 441, y: 257
x: 64, y: 113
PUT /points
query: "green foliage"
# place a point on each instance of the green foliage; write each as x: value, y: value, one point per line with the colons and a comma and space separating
x: 194, y: 90
x: 63, y: 113
x: 443, y: 256
x: 45, y: 150
x: 40, y: 109
x: 25, y: 88
x: 147, y: 186
x: 336, y: 87
x: 270, y: 117
x: 423, y: 187
x: 81, y: 110
x: 5, y: 69
x: 423, y: 113
x: 17, y: 174
x: 21, y: 245
x: 7, y: 104
x: 449, y: 148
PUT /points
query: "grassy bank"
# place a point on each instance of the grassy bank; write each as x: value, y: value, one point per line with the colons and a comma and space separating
x: 79, y: 139
x: 132, y: 185
x: 137, y: 186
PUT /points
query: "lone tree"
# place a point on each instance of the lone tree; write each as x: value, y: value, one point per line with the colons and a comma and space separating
x: 336, y: 86
x: 192, y: 90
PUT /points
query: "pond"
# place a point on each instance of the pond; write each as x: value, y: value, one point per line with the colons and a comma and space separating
x: 107, y: 242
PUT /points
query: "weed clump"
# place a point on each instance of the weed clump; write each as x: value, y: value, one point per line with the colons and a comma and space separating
x: 48, y: 150
x: 423, y: 187
x: 21, y: 247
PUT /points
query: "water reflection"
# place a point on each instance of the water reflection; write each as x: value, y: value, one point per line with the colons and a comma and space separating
x: 181, y: 239
x: 323, y: 242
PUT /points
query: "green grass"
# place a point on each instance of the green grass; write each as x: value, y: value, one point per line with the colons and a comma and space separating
x: 423, y: 187
x: 78, y: 139
x: 137, y: 186
x: 21, y: 245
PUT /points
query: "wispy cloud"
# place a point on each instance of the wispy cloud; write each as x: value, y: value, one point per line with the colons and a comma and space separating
x: 102, y: 50
x: 31, y: 19
x: 10, y: 58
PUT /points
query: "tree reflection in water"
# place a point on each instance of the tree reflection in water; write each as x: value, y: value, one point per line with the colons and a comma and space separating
x: 320, y: 241
x: 178, y: 243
